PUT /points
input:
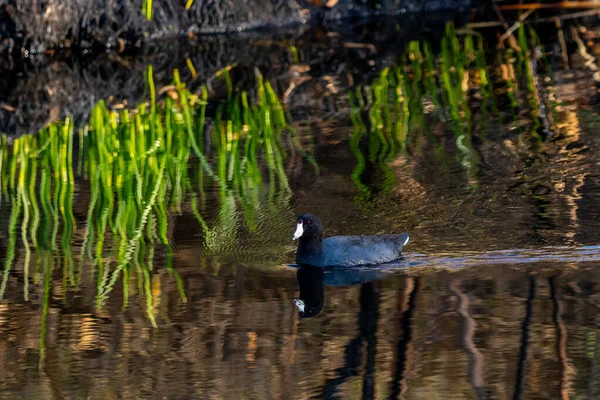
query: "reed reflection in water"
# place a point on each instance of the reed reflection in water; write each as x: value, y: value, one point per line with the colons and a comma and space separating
x: 474, y: 333
x: 144, y: 251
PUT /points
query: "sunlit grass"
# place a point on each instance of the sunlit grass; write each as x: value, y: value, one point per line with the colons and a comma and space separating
x: 445, y: 83
x: 142, y: 165
x: 147, y: 9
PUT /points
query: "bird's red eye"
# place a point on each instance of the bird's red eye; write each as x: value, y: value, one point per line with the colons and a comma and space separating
x: 308, y: 222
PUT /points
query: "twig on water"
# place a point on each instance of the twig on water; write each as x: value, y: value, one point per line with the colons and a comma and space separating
x: 512, y: 42
x: 517, y: 24
x: 500, y: 16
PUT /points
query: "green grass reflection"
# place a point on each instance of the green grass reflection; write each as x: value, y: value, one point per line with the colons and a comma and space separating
x: 400, y: 105
x: 141, y: 166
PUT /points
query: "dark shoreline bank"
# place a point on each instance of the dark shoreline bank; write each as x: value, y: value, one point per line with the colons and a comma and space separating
x: 34, y: 27
x: 43, y: 88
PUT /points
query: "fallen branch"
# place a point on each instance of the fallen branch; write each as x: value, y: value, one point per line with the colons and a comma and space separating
x: 538, y: 6
x: 493, y: 24
x: 517, y: 24
x: 512, y: 41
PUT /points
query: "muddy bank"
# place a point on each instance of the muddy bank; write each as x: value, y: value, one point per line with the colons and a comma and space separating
x: 37, y: 26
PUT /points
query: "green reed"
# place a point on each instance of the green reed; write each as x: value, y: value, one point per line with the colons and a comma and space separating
x: 446, y: 83
x: 141, y: 165
x: 383, y: 132
x: 147, y: 9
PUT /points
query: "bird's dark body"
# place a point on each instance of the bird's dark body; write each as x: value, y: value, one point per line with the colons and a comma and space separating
x: 346, y: 251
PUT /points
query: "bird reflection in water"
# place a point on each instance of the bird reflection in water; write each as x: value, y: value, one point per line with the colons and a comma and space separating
x: 310, y: 304
x: 312, y: 279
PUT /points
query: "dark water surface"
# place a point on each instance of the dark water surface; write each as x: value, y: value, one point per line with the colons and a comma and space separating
x: 146, y: 253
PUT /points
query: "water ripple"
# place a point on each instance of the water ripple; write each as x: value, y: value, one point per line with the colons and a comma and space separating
x: 555, y: 254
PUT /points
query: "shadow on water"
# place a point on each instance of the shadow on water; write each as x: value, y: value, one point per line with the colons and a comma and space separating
x: 144, y: 251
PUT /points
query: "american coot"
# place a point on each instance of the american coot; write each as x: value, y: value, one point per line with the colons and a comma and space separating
x: 343, y: 251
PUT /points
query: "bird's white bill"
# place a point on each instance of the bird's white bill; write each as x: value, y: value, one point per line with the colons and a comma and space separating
x: 299, y: 231
x: 300, y: 304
